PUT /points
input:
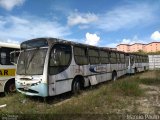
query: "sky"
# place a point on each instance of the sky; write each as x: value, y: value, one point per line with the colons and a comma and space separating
x: 104, y: 23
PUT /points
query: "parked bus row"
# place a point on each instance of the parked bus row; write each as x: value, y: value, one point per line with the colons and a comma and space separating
x: 50, y: 66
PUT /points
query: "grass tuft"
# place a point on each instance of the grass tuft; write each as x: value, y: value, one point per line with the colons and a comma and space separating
x: 149, y: 81
x: 128, y: 88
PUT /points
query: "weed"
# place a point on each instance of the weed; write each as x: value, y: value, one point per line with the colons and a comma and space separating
x: 128, y: 88
x: 149, y: 81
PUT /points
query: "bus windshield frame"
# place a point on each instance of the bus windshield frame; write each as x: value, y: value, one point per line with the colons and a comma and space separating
x: 34, y: 43
x: 31, y: 62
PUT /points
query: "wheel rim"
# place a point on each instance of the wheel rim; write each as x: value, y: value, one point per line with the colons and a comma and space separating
x: 115, y: 77
x: 12, y: 88
x: 135, y: 70
x: 76, y: 87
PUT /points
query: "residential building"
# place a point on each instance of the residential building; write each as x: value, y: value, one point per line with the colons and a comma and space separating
x: 150, y: 47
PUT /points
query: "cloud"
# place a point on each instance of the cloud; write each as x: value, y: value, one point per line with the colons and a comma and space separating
x: 10, y: 4
x: 27, y: 27
x: 129, y: 41
x: 92, y: 39
x: 122, y: 17
x: 83, y: 27
x: 13, y: 41
x: 133, y: 40
x: 127, y: 16
x: 126, y: 41
x: 81, y: 18
x: 155, y: 36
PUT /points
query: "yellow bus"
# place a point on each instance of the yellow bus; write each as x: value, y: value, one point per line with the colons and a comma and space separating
x: 7, y: 69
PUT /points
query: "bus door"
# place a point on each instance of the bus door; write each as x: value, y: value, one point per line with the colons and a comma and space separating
x: 59, y: 69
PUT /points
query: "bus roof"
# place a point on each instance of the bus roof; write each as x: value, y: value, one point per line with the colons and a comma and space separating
x: 9, y: 45
x: 50, y: 41
x: 42, y: 42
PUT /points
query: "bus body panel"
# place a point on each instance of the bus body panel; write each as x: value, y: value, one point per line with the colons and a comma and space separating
x: 7, y: 69
x: 60, y: 83
x: 7, y: 72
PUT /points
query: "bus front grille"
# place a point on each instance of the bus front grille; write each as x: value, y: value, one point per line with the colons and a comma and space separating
x: 29, y: 90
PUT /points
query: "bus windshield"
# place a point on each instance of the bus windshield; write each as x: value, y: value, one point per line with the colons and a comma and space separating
x: 31, y: 62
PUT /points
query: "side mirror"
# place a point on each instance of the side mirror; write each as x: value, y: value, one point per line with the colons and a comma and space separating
x: 14, y: 57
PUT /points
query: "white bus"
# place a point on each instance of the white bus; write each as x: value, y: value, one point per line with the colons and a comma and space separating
x: 7, y: 69
x: 137, y: 63
x: 50, y: 66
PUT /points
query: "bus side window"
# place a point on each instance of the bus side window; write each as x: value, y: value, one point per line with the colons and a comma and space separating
x: 104, y: 57
x: 122, y: 58
x: 80, y: 55
x: 60, y: 58
x: 135, y: 59
x: 132, y: 60
x: 93, y: 56
x: 3, y: 58
x: 14, y: 56
x: 113, y: 58
x: 118, y: 58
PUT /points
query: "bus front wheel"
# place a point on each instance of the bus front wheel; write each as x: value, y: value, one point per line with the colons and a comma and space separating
x: 10, y: 87
x: 135, y: 70
x: 76, y: 87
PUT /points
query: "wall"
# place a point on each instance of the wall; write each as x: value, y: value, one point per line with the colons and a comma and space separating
x: 154, y: 62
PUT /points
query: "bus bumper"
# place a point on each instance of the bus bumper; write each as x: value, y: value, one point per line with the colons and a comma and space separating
x: 37, y: 90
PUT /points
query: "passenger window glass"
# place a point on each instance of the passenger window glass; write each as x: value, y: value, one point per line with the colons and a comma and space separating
x: 104, y: 57
x: 118, y: 58
x: 122, y: 56
x: 132, y: 58
x: 3, y: 58
x: 60, y: 58
x: 80, y: 55
x: 113, y: 58
x: 93, y: 56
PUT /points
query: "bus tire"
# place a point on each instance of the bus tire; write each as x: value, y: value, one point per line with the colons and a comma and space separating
x: 114, y: 75
x: 135, y: 70
x: 10, y: 86
x: 76, y: 86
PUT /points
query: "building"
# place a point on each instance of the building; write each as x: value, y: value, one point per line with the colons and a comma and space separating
x: 123, y: 47
x: 150, y: 47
